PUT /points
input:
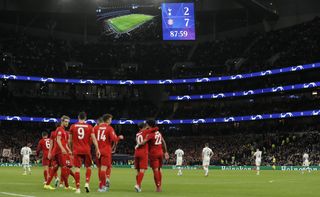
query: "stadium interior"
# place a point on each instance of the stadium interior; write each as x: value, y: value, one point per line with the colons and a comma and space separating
x: 122, y: 41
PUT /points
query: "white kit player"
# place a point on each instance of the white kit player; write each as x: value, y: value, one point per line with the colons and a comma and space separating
x: 179, y: 153
x: 26, y: 152
x: 305, y: 163
x: 258, y: 156
x: 207, y: 153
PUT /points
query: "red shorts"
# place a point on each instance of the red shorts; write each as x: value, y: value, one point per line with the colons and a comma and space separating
x: 71, y: 157
x: 104, y: 160
x: 156, y: 161
x: 45, y: 161
x: 53, y: 162
x: 141, y: 161
x: 63, y: 160
x: 77, y: 160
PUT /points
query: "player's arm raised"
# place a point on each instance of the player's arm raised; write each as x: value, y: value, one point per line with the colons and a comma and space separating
x: 143, y: 142
x: 114, y: 137
x: 149, y: 131
x: 164, y: 145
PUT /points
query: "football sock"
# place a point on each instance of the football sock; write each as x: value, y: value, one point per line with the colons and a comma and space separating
x: 88, y: 175
x: 102, y: 178
x: 65, y: 175
x: 140, y: 178
x: 77, y: 178
x: 45, y: 174
x: 52, y: 173
x: 108, y: 173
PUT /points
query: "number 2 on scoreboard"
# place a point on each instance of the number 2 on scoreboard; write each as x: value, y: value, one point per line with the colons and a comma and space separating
x: 186, y: 11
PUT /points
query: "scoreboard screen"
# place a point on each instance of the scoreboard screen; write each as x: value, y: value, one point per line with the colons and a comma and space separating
x: 178, y: 21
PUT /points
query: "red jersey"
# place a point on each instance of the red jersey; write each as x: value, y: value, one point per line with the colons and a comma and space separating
x: 60, y: 131
x: 140, y: 137
x: 43, y: 145
x: 105, y: 136
x: 81, y: 138
x: 155, y: 143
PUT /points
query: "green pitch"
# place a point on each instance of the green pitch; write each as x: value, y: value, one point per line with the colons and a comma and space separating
x: 123, y: 24
x: 192, y: 183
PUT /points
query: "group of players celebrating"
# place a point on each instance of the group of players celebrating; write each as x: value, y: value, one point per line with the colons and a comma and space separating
x: 68, y: 149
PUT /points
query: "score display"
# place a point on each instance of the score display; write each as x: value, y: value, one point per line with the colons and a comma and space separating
x: 178, y: 21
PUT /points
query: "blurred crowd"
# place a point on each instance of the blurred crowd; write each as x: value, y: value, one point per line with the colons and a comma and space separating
x: 286, y: 148
x: 285, y: 142
x: 29, y: 55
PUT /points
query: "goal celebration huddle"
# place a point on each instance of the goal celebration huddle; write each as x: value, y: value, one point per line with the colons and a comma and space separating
x: 69, y: 150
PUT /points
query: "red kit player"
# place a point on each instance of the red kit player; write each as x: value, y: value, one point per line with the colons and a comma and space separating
x: 44, y: 146
x: 156, y: 143
x: 105, y: 136
x: 80, y: 138
x: 60, y: 153
x: 141, y: 154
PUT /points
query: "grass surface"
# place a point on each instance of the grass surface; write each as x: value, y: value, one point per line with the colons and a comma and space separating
x: 192, y: 183
x: 129, y: 22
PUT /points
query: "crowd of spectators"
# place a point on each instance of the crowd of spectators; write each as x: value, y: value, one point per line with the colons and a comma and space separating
x: 286, y: 142
x: 144, y: 108
x: 31, y: 55
x: 287, y: 149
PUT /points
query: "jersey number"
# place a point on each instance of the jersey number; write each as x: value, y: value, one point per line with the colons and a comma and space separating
x: 158, y: 138
x: 139, y: 139
x: 48, y: 144
x: 101, y: 135
x: 80, y: 133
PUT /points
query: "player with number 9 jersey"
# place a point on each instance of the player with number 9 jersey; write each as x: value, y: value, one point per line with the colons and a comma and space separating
x: 80, y: 138
x: 80, y: 135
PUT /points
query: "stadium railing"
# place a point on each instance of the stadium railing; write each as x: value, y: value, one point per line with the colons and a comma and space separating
x: 161, y: 81
x: 256, y: 117
x: 301, y: 86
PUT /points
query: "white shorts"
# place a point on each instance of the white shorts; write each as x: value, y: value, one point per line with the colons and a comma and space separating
x: 25, y: 161
x: 179, y: 162
x: 306, y: 163
x: 258, y: 162
x: 206, y: 162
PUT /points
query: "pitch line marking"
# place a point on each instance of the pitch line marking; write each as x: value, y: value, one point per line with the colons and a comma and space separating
x: 13, y: 194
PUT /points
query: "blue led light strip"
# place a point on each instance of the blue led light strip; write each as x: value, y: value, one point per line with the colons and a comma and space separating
x: 315, y: 112
x: 161, y: 81
x: 246, y: 92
